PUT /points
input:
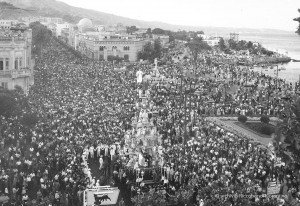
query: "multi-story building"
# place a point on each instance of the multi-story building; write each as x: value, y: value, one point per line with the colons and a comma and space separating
x: 61, y: 27
x: 164, y: 39
x: 101, y: 49
x: 16, y: 65
x: 100, y: 45
x: 7, y: 24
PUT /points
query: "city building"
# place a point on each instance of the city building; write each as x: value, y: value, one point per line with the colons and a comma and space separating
x: 60, y: 27
x: 234, y: 36
x: 99, y: 45
x: 7, y: 24
x: 101, y: 49
x: 164, y: 39
x: 16, y: 65
x: 212, y: 41
x: 100, y: 28
x: 202, y: 36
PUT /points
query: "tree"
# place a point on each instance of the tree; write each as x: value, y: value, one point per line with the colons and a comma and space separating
x: 149, y: 31
x: 40, y: 36
x: 157, y: 48
x: 131, y: 29
x: 196, y: 45
x: 222, y: 44
x: 232, y: 44
x: 8, y: 103
x: 151, y: 51
x: 158, y: 31
x: 298, y: 20
x: 171, y: 38
x: 249, y: 45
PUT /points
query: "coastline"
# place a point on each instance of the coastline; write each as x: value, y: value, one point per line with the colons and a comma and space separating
x: 266, y: 60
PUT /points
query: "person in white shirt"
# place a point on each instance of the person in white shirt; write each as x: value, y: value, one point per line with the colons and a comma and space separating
x: 139, y: 76
x: 92, y: 151
x: 101, y: 162
x: 98, y: 150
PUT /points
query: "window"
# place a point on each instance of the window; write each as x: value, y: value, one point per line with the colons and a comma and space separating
x: 114, y: 47
x: 7, y: 64
x: 1, y: 65
x: 16, y: 64
x: 101, y: 48
x: 20, y: 62
x: 126, y: 48
x: 4, y: 85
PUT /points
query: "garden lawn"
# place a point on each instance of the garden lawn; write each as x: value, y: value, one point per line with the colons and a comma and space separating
x: 256, y: 127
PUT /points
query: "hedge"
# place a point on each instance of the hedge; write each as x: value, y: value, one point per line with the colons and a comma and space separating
x: 268, y: 130
x: 265, y: 119
x: 242, y: 118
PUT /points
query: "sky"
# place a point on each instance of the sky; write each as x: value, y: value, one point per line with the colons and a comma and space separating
x: 259, y: 14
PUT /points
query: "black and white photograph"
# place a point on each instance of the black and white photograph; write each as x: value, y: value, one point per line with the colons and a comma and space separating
x: 150, y: 103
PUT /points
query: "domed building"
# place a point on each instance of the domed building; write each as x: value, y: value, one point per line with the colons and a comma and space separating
x: 84, y: 25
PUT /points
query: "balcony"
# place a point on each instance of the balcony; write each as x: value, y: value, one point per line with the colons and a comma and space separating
x: 15, y: 73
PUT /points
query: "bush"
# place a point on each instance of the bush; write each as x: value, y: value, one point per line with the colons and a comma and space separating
x: 265, y: 119
x: 242, y: 118
x: 268, y: 130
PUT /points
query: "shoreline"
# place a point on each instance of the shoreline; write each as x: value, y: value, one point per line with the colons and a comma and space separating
x: 267, y: 60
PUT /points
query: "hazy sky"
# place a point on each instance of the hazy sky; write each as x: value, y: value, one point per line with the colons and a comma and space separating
x: 274, y: 14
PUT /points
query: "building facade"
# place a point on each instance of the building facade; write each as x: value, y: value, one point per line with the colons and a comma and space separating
x: 103, y: 48
x: 16, y: 65
x: 7, y: 24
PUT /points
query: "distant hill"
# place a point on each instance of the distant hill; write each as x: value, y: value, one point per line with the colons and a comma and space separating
x: 53, y: 8
x: 8, y: 10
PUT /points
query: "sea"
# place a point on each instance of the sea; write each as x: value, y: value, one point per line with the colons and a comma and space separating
x: 286, y: 43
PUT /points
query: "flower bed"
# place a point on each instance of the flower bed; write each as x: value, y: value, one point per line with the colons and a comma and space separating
x: 261, y: 128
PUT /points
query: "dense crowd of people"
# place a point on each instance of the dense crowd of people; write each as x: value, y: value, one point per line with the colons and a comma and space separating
x: 88, y: 114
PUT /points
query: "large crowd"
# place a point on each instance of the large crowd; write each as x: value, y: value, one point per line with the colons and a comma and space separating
x: 87, y: 108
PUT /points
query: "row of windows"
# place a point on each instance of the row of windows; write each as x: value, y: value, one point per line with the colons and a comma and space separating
x: 125, y: 48
x: 4, y: 63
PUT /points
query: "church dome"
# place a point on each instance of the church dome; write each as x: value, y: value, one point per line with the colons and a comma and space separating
x: 84, y: 24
